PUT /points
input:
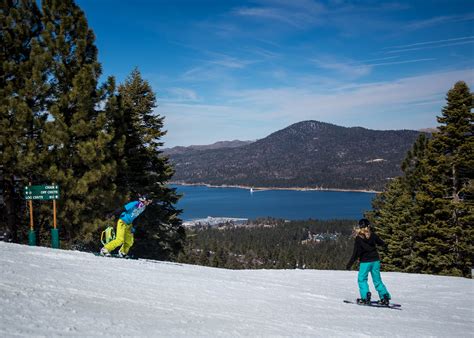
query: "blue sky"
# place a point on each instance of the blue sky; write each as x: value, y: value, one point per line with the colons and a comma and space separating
x: 225, y: 70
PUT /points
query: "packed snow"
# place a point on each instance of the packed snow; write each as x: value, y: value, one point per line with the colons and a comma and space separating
x: 47, y: 292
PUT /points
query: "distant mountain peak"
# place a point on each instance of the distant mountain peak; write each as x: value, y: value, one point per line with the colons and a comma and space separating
x: 312, y: 124
x: 307, y: 154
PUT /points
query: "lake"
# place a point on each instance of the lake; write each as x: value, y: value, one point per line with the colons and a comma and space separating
x: 201, y: 202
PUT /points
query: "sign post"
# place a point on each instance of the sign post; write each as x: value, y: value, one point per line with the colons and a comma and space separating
x: 31, y: 233
x: 43, y: 193
x: 54, y: 230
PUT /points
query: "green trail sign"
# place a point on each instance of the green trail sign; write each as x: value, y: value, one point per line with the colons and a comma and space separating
x: 42, y: 192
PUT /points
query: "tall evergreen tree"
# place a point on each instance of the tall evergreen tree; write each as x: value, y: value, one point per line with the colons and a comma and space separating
x: 427, y: 214
x: 23, y: 93
x: 393, y: 210
x: 144, y: 169
x: 445, y: 236
x: 77, y: 134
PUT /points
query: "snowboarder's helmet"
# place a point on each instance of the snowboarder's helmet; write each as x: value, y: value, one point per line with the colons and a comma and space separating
x: 364, y: 223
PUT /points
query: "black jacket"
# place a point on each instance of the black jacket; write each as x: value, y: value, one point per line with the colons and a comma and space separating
x: 365, y: 249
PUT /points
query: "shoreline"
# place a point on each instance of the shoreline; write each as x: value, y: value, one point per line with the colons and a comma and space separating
x: 274, y: 188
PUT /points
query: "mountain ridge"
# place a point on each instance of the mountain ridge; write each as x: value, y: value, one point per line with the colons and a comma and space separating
x: 307, y: 154
x: 217, y: 145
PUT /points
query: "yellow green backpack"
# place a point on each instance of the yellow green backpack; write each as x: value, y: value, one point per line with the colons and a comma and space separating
x: 107, y: 235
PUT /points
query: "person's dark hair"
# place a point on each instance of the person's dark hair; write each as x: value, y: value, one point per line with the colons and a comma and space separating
x: 364, y: 223
x: 143, y: 197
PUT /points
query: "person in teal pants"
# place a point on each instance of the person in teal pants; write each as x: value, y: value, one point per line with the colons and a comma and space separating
x: 365, y: 250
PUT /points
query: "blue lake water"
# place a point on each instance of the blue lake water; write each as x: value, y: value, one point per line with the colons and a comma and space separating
x: 202, y: 201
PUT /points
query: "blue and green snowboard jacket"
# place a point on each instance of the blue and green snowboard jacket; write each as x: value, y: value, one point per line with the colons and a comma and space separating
x: 132, y: 211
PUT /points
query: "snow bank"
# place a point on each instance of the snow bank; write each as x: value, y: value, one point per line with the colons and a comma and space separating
x: 49, y: 292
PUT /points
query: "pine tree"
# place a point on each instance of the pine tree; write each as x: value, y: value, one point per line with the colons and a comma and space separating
x: 77, y: 133
x: 23, y: 93
x: 426, y: 215
x: 144, y: 169
x: 116, y: 128
x: 445, y: 236
x: 393, y: 211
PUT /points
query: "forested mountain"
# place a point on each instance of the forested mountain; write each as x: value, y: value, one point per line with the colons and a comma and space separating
x: 305, y: 154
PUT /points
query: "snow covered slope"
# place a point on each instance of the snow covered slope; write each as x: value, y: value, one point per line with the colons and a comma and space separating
x: 54, y: 292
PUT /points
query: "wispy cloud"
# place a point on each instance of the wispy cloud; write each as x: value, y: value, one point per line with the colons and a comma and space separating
x: 400, y: 62
x: 438, y: 20
x: 345, y: 68
x: 204, y: 73
x: 269, y: 13
x: 181, y: 94
x: 194, y: 73
x: 357, y: 69
x: 429, y: 47
x: 262, y: 52
x: 298, y: 104
x: 230, y: 61
x: 215, y: 67
x: 430, y: 42
x: 384, y: 105
x: 255, y: 113
x: 380, y: 59
x: 210, y: 123
x: 297, y: 13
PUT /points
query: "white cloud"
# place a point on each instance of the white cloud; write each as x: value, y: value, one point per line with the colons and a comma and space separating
x: 205, y: 124
x: 438, y: 20
x: 296, y: 13
x: 346, y: 68
x: 430, y: 42
x: 181, y: 94
x: 204, y: 73
x: 355, y: 69
x: 429, y: 47
x: 215, y: 67
x: 401, y: 62
x: 410, y: 102
x: 302, y: 104
x: 231, y: 62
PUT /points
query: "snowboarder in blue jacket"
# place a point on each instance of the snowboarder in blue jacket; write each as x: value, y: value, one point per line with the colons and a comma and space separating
x: 125, y: 230
x: 365, y: 250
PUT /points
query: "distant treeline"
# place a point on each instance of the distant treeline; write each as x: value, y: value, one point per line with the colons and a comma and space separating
x: 272, y: 244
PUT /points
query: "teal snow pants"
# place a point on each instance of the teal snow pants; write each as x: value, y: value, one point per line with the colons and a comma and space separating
x: 362, y: 278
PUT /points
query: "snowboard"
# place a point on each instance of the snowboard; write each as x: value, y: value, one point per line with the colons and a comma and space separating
x: 114, y: 256
x: 374, y: 303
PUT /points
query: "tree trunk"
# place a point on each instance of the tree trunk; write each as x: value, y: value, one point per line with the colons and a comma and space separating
x: 11, y: 207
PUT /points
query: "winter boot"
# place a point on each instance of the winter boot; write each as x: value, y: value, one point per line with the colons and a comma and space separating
x: 366, y: 300
x: 385, y: 300
x: 122, y: 255
x: 105, y: 252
